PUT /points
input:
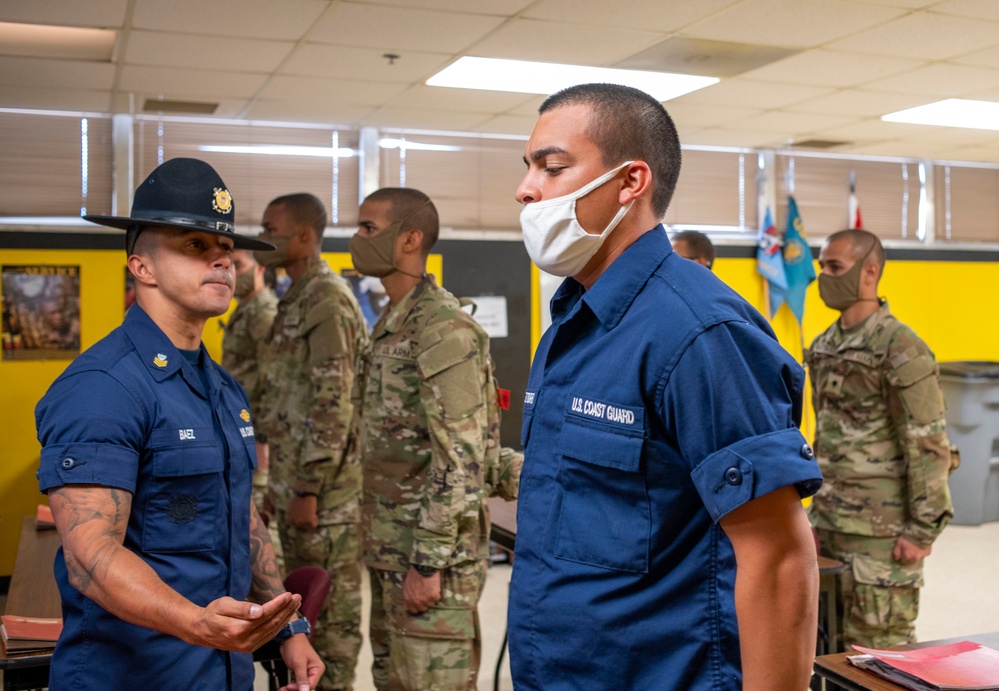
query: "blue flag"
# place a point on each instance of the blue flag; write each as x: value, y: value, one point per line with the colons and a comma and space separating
x: 798, y: 268
x: 769, y: 259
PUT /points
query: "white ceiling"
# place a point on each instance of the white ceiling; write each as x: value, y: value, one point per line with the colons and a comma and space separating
x: 792, y: 70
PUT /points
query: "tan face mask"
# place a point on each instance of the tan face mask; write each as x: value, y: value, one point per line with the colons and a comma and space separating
x: 276, y: 257
x: 375, y: 256
x: 244, y: 284
x: 840, y: 292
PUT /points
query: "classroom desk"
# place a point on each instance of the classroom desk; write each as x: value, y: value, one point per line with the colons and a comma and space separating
x: 33, y: 592
x: 836, y: 669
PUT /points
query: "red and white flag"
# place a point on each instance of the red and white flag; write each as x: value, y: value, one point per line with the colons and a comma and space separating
x: 853, y: 207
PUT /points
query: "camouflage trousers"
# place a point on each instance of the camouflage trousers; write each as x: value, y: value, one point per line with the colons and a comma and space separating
x: 438, y: 650
x: 880, y: 597
x: 337, y: 638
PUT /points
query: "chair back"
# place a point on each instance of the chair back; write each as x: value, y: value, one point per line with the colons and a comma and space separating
x: 313, y: 584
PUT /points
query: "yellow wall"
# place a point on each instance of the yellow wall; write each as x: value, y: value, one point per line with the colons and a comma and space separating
x: 22, y: 383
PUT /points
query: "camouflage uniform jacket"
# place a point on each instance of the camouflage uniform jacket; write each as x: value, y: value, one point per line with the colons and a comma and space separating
x: 248, y: 326
x: 429, y: 434
x: 308, y: 366
x: 880, y: 435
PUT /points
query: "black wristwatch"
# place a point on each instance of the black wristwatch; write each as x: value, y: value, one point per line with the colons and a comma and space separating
x: 300, y: 625
x: 424, y: 570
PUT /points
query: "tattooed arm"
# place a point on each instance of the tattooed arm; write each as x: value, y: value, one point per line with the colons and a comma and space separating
x: 298, y: 654
x: 92, y: 521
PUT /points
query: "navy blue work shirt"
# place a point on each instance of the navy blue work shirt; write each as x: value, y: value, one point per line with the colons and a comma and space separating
x: 658, y: 402
x: 131, y: 413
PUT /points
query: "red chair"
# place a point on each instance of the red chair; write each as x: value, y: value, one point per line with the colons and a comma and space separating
x: 313, y: 584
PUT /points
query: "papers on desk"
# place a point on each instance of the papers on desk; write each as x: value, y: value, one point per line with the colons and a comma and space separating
x: 43, y: 517
x: 29, y: 634
x: 963, y: 666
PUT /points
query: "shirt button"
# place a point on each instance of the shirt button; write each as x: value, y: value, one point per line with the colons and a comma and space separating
x: 733, y: 476
x: 807, y: 452
x: 68, y: 463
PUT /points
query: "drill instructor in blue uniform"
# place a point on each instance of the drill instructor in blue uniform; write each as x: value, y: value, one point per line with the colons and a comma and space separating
x: 661, y: 539
x: 166, y: 572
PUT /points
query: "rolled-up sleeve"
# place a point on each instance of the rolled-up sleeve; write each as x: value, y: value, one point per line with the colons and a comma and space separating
x: 734, y: 401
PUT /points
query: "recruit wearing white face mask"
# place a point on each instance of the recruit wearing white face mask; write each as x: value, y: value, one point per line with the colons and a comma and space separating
x: 553, y: 237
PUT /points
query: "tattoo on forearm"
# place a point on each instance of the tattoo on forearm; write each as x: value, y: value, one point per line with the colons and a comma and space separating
x: 92, y: 522
x: 266, y: 575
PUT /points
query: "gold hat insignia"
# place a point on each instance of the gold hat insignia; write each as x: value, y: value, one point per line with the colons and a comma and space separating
x: 222, y: 201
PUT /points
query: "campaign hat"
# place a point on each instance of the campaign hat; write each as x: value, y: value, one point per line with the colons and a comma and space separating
x: 183, y: 193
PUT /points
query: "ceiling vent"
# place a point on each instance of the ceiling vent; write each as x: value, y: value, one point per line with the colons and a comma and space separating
x: 819, y: 144
x: 186, y: 107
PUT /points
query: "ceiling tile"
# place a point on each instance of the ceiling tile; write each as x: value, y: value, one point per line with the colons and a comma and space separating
x: 107, y: 13
x: 858, y: 103
x: 753, y: 94
x: 353, y: 92
x: 923, y: 36
x: 790, y: 125
x: 975, y: 9
x: 503, y: 8
x: 320, y: 60
x: 528, y: 39
x: 55, y: 74
x: 701, y: 116
x: 791, y: 22
x: 422, y: 97
x: 939, y: 80
x: 831, y: 68
x: 911, y: 4
x: 425, y: 119
x: 59, y: 98
x: 980, y: 58
x: 197, y: 52
x: 202, y: 85
x: 728, y: 137
x: 508, y: 124
x: 233, y: 18
x: 308, y: 111
x: 648, y: 15
x: 397, y: 29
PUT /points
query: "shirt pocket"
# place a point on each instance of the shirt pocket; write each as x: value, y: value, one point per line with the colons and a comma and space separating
x: 605, y: 517
x: 183, y: 507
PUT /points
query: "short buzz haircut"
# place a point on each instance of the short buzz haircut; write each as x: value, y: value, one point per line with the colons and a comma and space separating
x: 700, y: 245
x: 415, y: 208
x: 304, y: 209
x: 629, y: 125
x: 864, y: 244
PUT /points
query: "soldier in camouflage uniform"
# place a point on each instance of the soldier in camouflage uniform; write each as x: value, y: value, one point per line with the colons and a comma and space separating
x: 429, y: 433
x: 881, y: 443
x: 249, y: 324
x: 308, y: 366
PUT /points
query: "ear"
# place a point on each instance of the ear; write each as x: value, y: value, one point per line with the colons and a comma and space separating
x: 637, y: 181
x: 411, y: 240
x: 141, y: 267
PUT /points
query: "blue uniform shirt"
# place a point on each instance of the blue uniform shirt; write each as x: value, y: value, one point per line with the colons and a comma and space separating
x: 658, y: 401
x: 131, y: 413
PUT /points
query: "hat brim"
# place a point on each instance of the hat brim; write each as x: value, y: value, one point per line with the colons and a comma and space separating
x: 240, y: 242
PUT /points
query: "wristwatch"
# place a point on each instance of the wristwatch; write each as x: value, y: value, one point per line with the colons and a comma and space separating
x: 300, y: 493
x: 424, y: 570
x: 300, y: 625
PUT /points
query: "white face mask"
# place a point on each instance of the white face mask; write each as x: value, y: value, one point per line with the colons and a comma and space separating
x: 553, y: 237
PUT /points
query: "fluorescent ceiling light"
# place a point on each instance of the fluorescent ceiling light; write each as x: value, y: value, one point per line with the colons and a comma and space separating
x: 407, y: 145
x: 521, y: 76
x: 280, y: 150
x: 65, y: 42
x: 952, y: 112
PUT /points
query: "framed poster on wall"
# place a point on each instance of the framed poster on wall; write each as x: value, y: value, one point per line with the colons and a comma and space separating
x: 41, y: 312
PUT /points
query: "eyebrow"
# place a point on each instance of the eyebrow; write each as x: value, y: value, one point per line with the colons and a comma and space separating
x: 547, y: 151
